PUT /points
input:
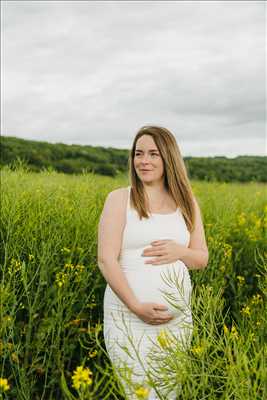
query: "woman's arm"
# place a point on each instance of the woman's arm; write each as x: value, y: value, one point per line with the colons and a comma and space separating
x: 110, y: 230
x: 196, y: 254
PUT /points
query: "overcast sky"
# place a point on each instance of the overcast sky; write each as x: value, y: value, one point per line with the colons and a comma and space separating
x: 93, y: 73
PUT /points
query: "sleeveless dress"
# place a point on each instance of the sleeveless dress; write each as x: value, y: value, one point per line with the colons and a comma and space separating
x: 134, y: 346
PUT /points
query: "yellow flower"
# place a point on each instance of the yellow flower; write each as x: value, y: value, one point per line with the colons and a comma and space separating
x: 225, y: 328
x: 14, y: 357
x: 198, y: 350
x: 256, y: 299
x: 98, y: 327
x: 258, y: 223
x: 4, y: 385
x: 241, y: 219
x: 15, y: 266
x: 163, y: 338
x: 227, y: 250
x: 80, y: 268
x: 234, y: 333
x: 31, y: 257
x: 69, y: 266
x: 142, y: 393
x: 241, y: 279
x: 92, y: 353
x: 252, y: 336
x: 61, y: 279
x: 245, y: 310
x: 81, y: 378
x: 222, y: 268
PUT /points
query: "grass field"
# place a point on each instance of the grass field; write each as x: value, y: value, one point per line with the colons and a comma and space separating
x: 51, y: 341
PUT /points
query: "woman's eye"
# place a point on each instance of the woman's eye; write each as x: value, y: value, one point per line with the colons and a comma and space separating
x: 152, y: 155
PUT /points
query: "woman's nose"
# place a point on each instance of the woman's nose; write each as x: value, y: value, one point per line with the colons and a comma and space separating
x: 145, y: 158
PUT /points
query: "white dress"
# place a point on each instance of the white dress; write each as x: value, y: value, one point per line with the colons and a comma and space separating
x: 130, y: 342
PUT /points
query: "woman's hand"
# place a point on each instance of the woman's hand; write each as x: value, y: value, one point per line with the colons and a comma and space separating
x: 167, y: 251
x: 153, y: 313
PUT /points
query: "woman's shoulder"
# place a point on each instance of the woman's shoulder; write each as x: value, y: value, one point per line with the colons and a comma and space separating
x: 118, y: 194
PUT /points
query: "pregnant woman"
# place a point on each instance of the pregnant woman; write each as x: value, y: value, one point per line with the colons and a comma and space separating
x: 149, y: 235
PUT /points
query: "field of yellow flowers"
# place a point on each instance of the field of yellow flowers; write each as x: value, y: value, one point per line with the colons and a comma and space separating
x: 51, y: 333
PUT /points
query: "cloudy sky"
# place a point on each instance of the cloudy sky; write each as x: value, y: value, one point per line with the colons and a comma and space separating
x: 93, y: 73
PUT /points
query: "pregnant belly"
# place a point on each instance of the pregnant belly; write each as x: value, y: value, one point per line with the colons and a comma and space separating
x: 167, y: 284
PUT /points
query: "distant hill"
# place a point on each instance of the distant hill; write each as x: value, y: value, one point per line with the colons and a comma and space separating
x: 111, y: 161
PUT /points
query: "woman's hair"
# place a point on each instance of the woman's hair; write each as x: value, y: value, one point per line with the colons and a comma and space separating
x: 176, y: 180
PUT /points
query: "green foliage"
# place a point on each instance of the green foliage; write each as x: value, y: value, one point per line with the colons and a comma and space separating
x: 51, y: 291
x: 75, y: 159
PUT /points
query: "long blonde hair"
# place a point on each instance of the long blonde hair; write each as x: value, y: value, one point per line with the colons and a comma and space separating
x: 176, y: 180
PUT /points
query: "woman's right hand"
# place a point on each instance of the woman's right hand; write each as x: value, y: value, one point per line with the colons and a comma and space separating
x: 153, y: 313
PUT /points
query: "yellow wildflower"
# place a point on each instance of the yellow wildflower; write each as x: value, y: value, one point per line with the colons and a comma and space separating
x: 252, y: 236
x: 234, y: 333
x: 98, y: 327
x: 69, y: 266
x: 252, y: 336
x: 81, y: 377
x: 241, y: 279
x: 198, y: 350
x: 258, y: 223
x: 163, y: 338
x: 245, y: 310
x: 4, y: 385
x: 31, y: 257
x: 227, y: 250
x: 225, y: 328
x: 80, y: 268
x: 61, y: 279
x: 15, y: 266
x: 142, y: 393
x: 222, y: 268
x: 241, y: 219
x: 92, y: 353
x: 256, y: 299
x: 14, y: 357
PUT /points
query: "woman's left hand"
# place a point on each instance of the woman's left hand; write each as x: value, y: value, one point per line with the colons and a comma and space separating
x: 167, y: 251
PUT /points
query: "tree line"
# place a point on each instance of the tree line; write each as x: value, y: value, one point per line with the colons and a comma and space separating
x: 76, y: 159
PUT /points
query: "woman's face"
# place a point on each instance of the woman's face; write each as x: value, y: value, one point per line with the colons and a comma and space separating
x: 148, y: 163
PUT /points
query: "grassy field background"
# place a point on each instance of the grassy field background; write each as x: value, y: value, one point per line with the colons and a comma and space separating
x: 51, y: 342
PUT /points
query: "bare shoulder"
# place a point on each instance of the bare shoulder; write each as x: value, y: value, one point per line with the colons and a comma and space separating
x: 111, y: 224
x: 117, y: 196
x: 196, y: 205
x: 197, y: 237
x: 116, y: 201
x: 119, y: 193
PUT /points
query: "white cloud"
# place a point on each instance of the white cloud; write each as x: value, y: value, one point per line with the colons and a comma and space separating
x: 94, y: 72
